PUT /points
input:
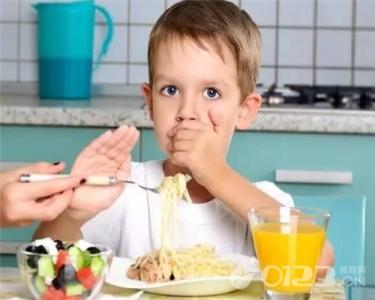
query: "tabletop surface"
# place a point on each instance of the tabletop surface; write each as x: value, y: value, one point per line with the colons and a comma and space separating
x: 11, y: 287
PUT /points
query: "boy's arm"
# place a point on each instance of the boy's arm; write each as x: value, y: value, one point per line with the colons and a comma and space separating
x: 109, y: 154
x: 237, y: 192
x: 241, y: 195
x: 200, y: 148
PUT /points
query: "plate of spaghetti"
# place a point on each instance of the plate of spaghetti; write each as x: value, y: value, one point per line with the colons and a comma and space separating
x: 194, y: 271
x: 221, y: 274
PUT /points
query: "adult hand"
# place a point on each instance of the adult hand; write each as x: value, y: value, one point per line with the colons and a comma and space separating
x: 23, y: 203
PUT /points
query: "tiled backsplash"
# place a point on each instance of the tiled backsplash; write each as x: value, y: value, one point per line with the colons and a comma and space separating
x: 304, y: 41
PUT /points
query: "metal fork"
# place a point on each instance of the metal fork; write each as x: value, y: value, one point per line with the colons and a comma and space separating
x: 100, y: 180
x: 90, y: 180
x: 154, y: 190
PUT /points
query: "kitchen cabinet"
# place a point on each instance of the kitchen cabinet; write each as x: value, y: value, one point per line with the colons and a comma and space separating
x: 256, y: 155
x: 35, y: 143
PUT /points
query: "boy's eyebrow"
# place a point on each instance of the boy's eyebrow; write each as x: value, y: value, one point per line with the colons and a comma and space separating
x: 163, y: 77
x: 159, y: 77
x: 215, y: 82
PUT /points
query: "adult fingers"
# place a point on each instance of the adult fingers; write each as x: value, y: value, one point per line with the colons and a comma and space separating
x: 34, y: 190
x: 45, y: 210
x: 45, y: 167
x: 53, y: 206
x: 40, y: 167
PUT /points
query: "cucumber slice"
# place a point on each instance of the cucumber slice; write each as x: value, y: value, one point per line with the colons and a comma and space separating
x: 86, y: 258
x: 74, y: 289
x: 39, y: 284
x: 45, y: 267
x: 97, y: 265
x: 77, y: 257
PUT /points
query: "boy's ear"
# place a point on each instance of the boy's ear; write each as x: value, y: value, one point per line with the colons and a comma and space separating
x: 147, y: 93
x: 248, y: 110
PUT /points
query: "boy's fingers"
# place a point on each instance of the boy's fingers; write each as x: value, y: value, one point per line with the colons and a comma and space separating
x: 216, y: 121
x: 188, y: 124
x: 182, y: 145
x: 47, y: 188
x: 184, y: 134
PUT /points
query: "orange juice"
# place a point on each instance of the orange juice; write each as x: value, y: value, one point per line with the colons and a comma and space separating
x: 288, y: 256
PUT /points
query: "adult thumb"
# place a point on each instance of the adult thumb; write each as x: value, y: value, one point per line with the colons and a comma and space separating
x: 45, y: 167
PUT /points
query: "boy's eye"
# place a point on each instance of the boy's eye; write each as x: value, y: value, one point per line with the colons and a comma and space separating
x: 169, y: 90
x: 211, y: 93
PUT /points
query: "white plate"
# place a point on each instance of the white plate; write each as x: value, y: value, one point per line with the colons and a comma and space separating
x: 204, y: 286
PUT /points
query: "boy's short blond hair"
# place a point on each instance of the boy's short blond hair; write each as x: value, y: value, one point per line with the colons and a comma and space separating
x: 217, y: 22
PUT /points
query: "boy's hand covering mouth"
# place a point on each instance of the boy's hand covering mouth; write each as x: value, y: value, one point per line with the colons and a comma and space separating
x: 199, y: 147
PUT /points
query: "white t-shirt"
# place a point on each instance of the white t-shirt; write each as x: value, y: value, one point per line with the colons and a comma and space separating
x: 131, y: 226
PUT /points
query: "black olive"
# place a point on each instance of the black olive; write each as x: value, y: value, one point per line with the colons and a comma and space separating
x: 30, y: 248
x: 40, y: 249
x: 57, y: 283
x: 59, y: 245
x: 93, y: 250
x: 32, y: 261
x: 66, y: 273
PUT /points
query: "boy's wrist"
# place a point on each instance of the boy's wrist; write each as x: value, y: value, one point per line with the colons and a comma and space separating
x: 218, y: 173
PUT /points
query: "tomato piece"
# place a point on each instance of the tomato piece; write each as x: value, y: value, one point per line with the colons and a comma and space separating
x: 86, y: 277
x: 62, y: 259
x: 53, y: 294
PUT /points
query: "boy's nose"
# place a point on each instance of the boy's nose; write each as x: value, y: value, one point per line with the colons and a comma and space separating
x: 187, y: 112
x: 181, y: 118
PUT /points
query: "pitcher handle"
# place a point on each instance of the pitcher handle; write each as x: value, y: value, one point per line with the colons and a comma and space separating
x: 108, y: 37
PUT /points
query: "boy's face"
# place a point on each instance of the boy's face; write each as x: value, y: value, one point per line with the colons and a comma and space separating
x: 191, y: 83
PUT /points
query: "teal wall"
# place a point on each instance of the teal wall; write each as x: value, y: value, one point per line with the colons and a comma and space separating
x: 256, y: 155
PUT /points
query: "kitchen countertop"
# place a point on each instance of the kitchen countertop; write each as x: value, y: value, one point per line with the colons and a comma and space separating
x: 110, y: 111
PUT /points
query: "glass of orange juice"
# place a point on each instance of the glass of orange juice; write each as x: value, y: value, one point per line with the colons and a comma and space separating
x: 288, y: 243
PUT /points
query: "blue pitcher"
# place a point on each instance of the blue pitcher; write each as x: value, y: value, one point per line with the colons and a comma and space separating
x: 65, y: 48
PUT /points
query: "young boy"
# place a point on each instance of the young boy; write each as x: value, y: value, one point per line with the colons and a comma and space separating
x: 204, y: 58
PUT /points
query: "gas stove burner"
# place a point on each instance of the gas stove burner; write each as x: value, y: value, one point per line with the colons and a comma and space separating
x: 272, y: 97
x: 321, y: 96
x: 365, y: 101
